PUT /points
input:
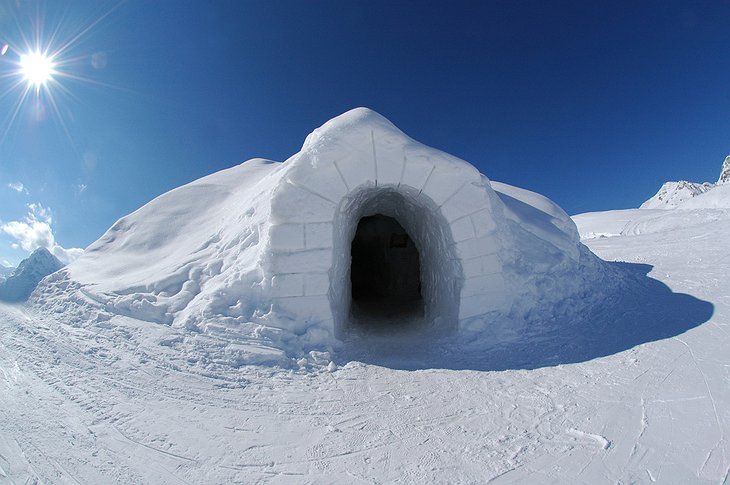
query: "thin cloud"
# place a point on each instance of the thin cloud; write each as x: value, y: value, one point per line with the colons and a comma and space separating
x: 18, y: 187
x: 35, y: 231
x: 38, y: 212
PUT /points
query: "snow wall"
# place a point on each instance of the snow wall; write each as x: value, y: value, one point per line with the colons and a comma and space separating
x: 259, y: 254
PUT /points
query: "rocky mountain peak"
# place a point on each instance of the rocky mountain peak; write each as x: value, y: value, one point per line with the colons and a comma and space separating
x: 725, y: 172
x: 30, y: 271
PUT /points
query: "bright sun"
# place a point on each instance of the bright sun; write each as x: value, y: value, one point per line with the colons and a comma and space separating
x: 37, y: 68
x: 38, y: 63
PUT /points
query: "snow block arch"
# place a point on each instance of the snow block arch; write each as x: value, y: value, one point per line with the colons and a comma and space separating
x: 359, y: 165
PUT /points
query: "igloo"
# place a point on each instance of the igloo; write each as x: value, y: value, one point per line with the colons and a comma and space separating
x: 359, y: 166
x: 363, y: 229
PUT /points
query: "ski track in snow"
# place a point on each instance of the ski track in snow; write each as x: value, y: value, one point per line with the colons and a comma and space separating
x: 110, y: 404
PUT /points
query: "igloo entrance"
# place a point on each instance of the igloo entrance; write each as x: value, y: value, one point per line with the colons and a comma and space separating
x: 394, y: 265
x: 385, y: 273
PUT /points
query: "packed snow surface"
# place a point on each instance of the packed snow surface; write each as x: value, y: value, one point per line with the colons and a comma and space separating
x: 257, y: 258
x: 636, y: 390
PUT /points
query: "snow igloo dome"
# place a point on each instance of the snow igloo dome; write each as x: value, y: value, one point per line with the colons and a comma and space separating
x: 363, y: 230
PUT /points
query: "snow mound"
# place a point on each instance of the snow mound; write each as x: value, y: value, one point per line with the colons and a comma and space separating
x: 256, y: 262
x: 30, y: 271
x: 539, y: 215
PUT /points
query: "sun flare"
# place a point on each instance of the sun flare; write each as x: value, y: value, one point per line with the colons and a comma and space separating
x: 38, y: 61
x: 37, y: 68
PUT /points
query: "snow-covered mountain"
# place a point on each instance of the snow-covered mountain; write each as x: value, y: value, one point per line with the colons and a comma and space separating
x: 5, y: 272
x: 676, y: 206
x: 725, y: 172
x: 30, y: 272
x: 674, y: 194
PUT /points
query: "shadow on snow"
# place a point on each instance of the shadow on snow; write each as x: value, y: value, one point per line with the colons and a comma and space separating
x: 643, y: 310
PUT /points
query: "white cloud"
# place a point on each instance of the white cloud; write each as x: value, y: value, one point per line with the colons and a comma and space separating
x: 18, y: 187
x: 35, y: 231
x: 30, y: 234
x: 66, y: 255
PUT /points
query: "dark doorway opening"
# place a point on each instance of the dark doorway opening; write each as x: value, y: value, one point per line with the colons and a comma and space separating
x: 385, y: 272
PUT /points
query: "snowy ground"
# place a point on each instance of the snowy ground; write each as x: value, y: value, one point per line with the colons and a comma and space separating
x: 638, y: 391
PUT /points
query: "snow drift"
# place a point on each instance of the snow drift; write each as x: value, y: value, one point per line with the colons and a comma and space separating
x: 261, y: 253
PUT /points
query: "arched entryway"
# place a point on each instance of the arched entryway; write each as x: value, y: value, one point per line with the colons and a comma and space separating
x: 394, y: 266
x: 385, y: 273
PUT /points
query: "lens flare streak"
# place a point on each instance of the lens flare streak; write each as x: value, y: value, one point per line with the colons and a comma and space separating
x: 36, y: 65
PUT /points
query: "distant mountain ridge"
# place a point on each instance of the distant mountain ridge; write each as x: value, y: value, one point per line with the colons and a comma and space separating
x: 673, y: 194
x: 30, y: 271
x: 5, y: 272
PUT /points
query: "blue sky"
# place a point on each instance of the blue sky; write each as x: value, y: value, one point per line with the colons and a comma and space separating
x: 594, y: 104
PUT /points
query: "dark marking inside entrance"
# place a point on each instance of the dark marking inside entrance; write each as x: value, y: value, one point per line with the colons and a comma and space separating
x: 385, y: 272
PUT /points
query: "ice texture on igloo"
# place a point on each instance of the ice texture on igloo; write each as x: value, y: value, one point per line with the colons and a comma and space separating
x: 260, y: 253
